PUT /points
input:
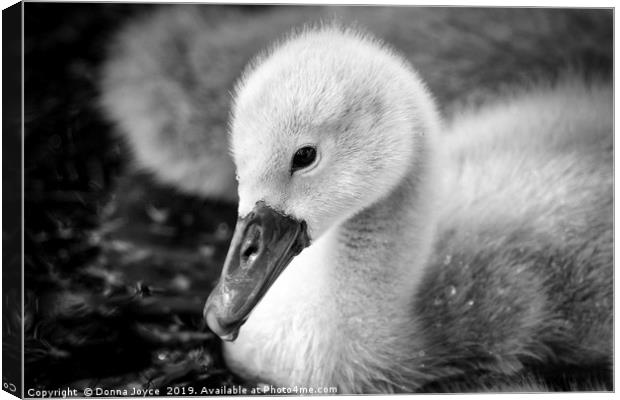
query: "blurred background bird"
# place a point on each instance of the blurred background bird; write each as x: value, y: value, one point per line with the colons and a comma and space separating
x: 131, y: 193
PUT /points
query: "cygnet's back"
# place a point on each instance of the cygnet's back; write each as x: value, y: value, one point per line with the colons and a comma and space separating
x: 522, y: 270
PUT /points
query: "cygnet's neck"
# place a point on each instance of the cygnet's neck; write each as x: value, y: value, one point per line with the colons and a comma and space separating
x: 380, y: 252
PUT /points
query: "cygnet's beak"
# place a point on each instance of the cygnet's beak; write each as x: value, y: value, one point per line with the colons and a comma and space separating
x: 264, y: 243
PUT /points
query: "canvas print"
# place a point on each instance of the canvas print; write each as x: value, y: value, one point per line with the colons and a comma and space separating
x: 299, y: 200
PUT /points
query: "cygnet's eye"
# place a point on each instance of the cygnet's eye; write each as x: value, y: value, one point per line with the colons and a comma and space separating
x: 303, y: 158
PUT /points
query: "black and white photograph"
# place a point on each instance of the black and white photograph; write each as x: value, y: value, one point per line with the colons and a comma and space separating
x: 308, y: 199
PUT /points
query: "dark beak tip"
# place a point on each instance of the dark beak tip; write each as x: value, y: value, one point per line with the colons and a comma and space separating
x: 231, y: 337
x: 216, y: 327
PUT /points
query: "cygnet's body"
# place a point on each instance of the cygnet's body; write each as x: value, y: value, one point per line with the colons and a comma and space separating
x: 486, y: 248
x: 465, y: 254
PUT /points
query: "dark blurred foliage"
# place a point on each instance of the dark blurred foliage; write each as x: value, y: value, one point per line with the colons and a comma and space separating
x: 114, y: 284
x: 117, y: 267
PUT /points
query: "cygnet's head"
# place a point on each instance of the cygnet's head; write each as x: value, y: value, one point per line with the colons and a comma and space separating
x: 323, y: 126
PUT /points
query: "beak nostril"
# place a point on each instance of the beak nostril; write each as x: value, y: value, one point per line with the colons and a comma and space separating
x: 250, y: 250
x: 251, y: 246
